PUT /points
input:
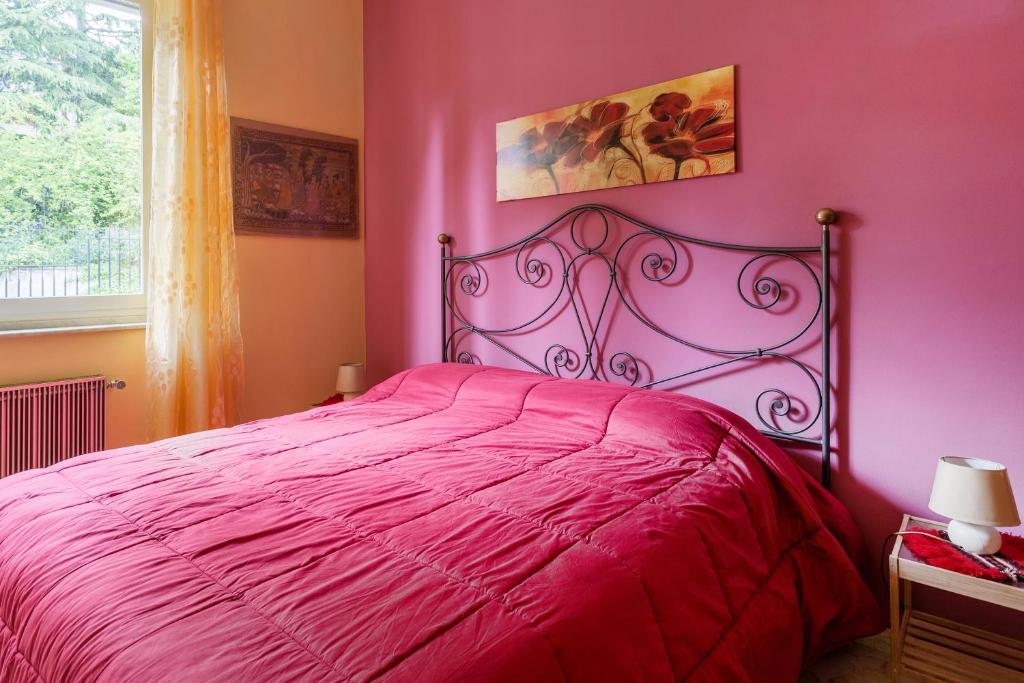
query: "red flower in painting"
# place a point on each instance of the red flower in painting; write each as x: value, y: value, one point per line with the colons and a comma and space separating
x: 545, y: 147
x: 669, y: 104
x: 597, y: 132
x: 679, y: 133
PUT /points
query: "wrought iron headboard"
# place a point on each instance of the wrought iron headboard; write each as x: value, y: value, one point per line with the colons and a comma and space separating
x: 466, y: 274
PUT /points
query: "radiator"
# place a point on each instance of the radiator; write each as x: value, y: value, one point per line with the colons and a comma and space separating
x: 41, y: 424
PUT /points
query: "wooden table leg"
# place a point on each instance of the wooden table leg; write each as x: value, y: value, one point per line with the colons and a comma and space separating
x: 895, y: 634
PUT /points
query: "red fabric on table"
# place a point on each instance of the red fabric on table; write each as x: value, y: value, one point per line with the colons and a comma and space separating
x: 930, y: 547
x: 330, y: 401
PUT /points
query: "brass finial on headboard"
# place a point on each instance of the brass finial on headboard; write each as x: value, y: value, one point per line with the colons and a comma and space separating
x: 825, y: 217
x: 444, y: 238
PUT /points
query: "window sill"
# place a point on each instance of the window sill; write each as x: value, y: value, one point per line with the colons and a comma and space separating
x: 72, y: 313
x: 77, y: 328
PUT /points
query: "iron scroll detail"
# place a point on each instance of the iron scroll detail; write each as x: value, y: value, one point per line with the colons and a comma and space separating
x: 549, y: 265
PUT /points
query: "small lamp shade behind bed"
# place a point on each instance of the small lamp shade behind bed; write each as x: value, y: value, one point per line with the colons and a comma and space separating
x: 351, y: 380
x: 976, y: 496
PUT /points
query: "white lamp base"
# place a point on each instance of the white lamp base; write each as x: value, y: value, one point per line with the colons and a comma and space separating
x: 975, y: 538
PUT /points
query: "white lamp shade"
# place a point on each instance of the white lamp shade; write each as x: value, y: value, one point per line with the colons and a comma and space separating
x: 351, y: 378
x: 974, y: 491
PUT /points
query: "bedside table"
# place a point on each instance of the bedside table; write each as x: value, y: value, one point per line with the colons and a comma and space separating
x: 939, y: 648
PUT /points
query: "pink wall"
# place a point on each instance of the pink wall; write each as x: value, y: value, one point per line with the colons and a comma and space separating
x: 904, y: 115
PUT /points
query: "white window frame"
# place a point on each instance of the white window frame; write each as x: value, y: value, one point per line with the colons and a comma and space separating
x: 59, y: 313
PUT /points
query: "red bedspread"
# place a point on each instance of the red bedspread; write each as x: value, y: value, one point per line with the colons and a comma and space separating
x: 457, y: 523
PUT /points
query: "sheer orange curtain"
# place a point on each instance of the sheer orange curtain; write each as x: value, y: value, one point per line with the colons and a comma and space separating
x: 193, y: 342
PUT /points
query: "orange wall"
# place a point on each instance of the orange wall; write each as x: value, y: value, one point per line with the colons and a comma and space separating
x: 297, y: 64
x: 294, y: 64
x: 117, y: 354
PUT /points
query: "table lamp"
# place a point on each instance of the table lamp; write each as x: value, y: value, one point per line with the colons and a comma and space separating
x: 976, y: 495
x: 351, y: 380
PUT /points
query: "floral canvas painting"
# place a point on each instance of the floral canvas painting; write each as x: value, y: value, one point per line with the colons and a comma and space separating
x: 287, y: 181
x: 678, y: 129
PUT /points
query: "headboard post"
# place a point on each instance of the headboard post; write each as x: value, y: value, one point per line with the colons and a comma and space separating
x: 444, y: 240
x: 826, y: 217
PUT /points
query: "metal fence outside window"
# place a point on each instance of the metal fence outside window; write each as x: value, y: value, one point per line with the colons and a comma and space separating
x: 107, y: 263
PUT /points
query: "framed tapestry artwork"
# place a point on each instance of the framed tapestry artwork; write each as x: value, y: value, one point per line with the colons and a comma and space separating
x: 684, y: 128
x: 287, y: 181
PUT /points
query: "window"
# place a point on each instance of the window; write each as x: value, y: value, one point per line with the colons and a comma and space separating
x: 73, y: 141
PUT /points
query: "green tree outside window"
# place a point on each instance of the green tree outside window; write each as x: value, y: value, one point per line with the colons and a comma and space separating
x: 70, y: 136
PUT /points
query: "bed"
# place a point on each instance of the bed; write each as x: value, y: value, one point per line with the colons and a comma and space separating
x: 459, y: 522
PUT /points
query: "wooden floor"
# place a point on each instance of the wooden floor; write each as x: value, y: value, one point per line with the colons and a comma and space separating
x: 865, y: 661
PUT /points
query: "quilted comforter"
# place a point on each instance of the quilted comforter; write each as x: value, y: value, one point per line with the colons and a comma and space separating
x: 456, y: 523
